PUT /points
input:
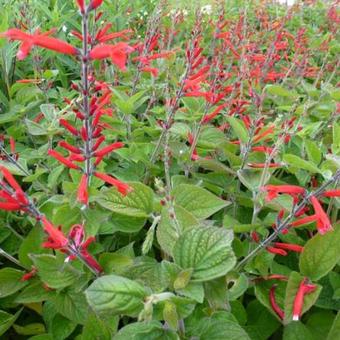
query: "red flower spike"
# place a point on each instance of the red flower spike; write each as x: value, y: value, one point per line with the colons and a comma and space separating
x: 276, y: 308
x: 62, y: 159
x: 323, y: 223
x: 56, y: 238
x: 304, y: 288
x: 107, y: 149
x: 12, y: 144
x: 123, y: 188
x: 83, y: 195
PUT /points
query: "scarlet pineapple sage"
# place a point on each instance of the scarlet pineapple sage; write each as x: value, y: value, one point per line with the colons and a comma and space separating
x: 193, y: 174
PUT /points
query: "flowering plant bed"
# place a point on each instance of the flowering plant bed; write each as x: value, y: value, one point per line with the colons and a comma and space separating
x: 169, y: 172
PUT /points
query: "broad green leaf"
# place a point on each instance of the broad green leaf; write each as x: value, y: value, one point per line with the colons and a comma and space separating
x: 219, y: 326
x: 199, y: 202
x: 239, y: 128
x: 35, y: 129
x: 54, y: 272
x: 167, y: 233
x: 7, y: 320
x: 61, y: 327
x: 72, y: 305
x: 35, y: 292
x: 335, y: 330
x: 96, y: 328
x: 291, y: 290
x: 297, y: 162
x: 313, y: 152
x: 31, y: 244
x: 320, y: 254
x: 116, y: 294
x: 10, y: 281
x: 297, y: 331
x: 137, y: 203
x: 153, y: 330
x: 207, y: 251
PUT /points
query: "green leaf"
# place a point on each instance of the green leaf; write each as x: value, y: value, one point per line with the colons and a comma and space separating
x: 313, y: 152
x: 35, y: 292
x: 336, y: 138
x: 199, y: 202
x: 10, y: 281
x: 7, y: 320
x: 153, y: 330
x: 54, y: 272
x: 31, y: 244
x: 35, y: 129
x: 116, y: 294
x: 280, y: 91
x: 219, y: 326
x: 335, y: 330
x: 297, y: 331
x: 239, y: 128
x: 30, y: 329
x: 207, y: 251
x: 137, y: 203
x: 167, y: 233
x: 320, y: 254
x: 291, y: 290
x: 72, y: 305
x: 300, y: 163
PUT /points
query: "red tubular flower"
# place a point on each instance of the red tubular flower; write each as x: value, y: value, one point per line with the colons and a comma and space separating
x: 94, y: 4
x: 36, y: 39
x: 207, y: 118
x: 69, y: 127
x: 276, y: 277
x: 99, y: 141
x: 276, y: 308
x: 123, y: 188
x: 263, y: 165
x: 288, y: 246
x: 152, y: 70
x: 62, y: 159
x: 81, y: 5
x: 323, y: 223
x: 29, y: 275
x: 83, y: 195
x: 331, y: 193
x: 10, y: 206
x: 304, y: 288
x: 107, y: 149
x: 304, y: 220
x: 69, y: 147
x: 56, y: 238
x: 277, y: 251
x: 265, y: 149
x: 274, y: 190
x: 118, y: 53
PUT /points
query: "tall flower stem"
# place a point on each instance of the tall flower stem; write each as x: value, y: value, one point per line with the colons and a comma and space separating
x: 86, y: 90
